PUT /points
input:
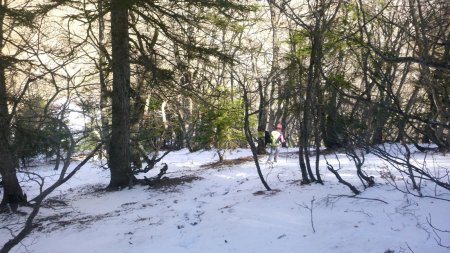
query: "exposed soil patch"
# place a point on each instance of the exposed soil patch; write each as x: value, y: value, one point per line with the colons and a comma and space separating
x: 166, y: 183
x: 90, y: 190
x: 266, y: 193
x: 62, y: 220
x: 54, y: 202
x: 231, y: 162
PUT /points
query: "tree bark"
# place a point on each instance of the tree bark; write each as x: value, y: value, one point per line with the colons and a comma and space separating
x: 249, y: 138
x: 262, y: 117
x: 104, y: 94
x: 119, y: 147
x: 12, y: 192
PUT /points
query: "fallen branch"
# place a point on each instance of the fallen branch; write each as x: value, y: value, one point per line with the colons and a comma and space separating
x: 438, y: 238
x: 342, y: 181
x: 29, y: 225
x: 355, y: 197
x: 150, y: 162
x: 151, y: 181
x: 310, y: 208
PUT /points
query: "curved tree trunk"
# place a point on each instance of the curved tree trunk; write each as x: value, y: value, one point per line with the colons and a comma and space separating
x: 249, y: 138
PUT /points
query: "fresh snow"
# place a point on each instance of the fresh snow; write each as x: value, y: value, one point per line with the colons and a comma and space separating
x: 226, y: 209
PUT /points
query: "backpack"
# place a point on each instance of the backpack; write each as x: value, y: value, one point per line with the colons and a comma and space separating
x: 267, y: 138
x: 275, y: 138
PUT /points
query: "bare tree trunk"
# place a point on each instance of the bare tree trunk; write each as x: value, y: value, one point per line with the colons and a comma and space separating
x: 300, y: 102
x: 119, y: 147
x: 12, y: 192
x: 262, y: 117
x: 249, y: 138
x: 317, y: 132
x: 104, y: 94
x: 404, y: 120
x: 137, y: 111
x: 331, y: 126
x: 312, y: 85
x: 427, y: 26
x: 304, y: 171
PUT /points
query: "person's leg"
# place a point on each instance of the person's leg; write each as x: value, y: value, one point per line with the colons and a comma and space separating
x: 277, y: 150
x: 271, y: 153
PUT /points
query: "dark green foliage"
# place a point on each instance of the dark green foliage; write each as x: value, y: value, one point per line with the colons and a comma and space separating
x: 221, y: 125
x: 151, y: 135
x: 299, y: 38
x: 333, y: 134
x: 35, y: 133
x: 338, y: 82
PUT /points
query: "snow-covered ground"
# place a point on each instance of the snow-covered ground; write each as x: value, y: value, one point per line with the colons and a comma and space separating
x: 226, y: 209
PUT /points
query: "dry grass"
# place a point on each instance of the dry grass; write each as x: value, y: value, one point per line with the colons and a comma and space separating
x: 231, y: 162
x: 166, y: 183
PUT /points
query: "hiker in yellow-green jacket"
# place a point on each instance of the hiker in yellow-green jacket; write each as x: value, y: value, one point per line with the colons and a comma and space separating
x: 277, y: 139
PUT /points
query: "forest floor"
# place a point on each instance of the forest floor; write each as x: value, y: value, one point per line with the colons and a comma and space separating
x: 205, y: 206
